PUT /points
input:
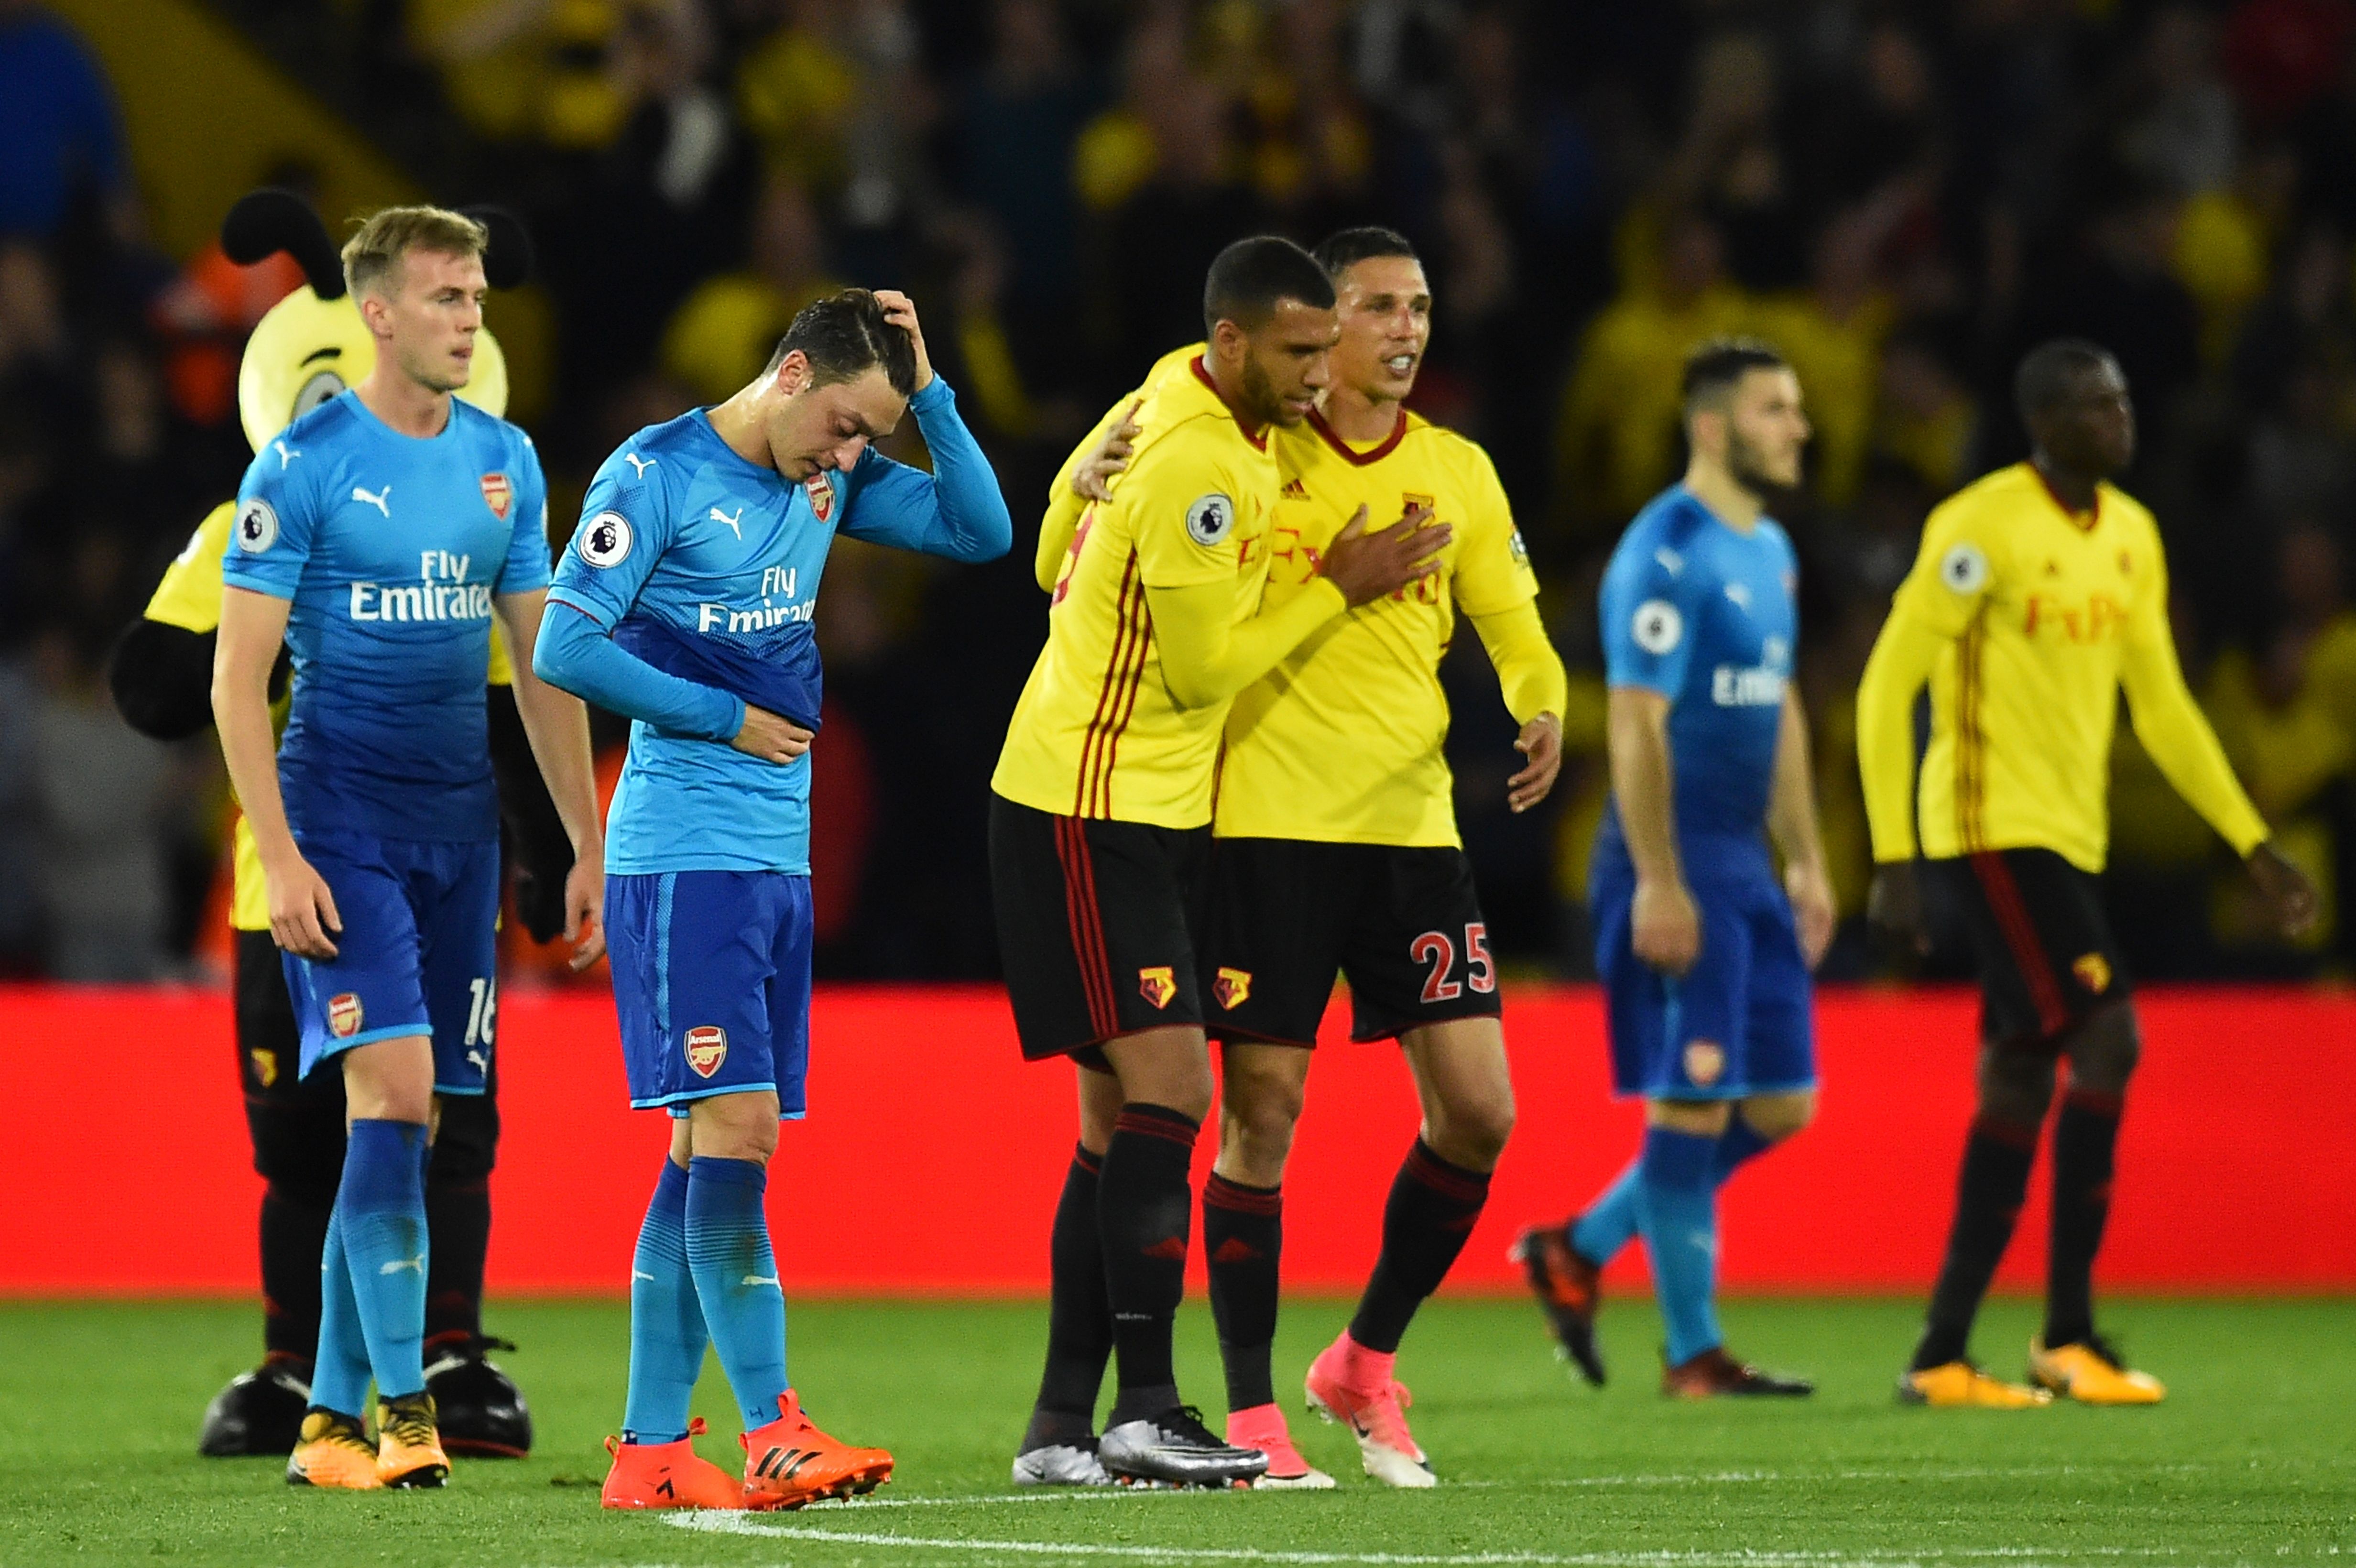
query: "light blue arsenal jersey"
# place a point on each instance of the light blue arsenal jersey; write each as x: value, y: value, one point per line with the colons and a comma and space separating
x: 705, y: 566
x: 1705, y: 614
x: 392, y: 548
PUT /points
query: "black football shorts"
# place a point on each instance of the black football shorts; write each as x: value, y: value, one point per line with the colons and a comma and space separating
x: 1402, y: 925
x: 1094, y: 926
x: 2047, y: 956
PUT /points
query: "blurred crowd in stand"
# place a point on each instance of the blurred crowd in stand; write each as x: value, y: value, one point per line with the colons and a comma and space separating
x: 1903, y: 198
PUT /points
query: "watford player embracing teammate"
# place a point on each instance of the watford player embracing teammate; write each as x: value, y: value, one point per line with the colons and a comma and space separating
x: 1100, y: 825
x: 2040, y: 594
x: 1336, y: 852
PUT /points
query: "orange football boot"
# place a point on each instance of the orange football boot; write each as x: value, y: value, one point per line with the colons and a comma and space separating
x: 2091, y: 1372
x: 333, y: 1451
x: 667, y: 1474
x: 408, y: 1447
x: 790, y: 1462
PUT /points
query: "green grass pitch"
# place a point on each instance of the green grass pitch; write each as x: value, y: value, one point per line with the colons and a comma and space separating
x: 2252, y: 1460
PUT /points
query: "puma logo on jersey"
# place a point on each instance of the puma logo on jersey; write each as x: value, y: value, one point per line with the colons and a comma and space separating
x: 640, y: 463
x: 1671, y: 561
x: 286, y: 454
x: 381, y: 500
x: 760, y: 1279
x: 735, y: 523
x: 417, y: 1262
x: 1738, y: 595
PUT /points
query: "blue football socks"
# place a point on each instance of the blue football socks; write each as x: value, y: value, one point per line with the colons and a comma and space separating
x: 381, y: 1213
x: 667, y: 1332
x: 1610, y: 1222
x: 1676, y: 1211
x: 736, y: 1281
x: 339, y: 1375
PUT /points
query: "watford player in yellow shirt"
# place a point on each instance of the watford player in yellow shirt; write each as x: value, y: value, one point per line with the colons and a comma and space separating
x: 2040, y: 594
x: 1100, y: 824
x: 1335, y: 852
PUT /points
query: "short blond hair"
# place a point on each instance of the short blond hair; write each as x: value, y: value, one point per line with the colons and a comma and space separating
x: 373, y: 253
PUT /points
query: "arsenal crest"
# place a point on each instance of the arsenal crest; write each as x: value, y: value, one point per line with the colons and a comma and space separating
x: 1157, y: 983
x: 1704, y: 1062
x: 821, y: 496
x: 498, y: 495
x: 707, y: 1048
x: 344, y: 1015
x: 1231, y: 987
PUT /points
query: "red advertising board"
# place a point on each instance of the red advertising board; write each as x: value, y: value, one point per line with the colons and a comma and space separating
x: 944, y: 1152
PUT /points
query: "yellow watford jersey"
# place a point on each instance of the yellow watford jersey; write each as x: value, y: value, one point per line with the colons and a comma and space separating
x: 1097, y: 732
x: 189, y: 597
x: 1342, y: 743
x: 2028, y: 620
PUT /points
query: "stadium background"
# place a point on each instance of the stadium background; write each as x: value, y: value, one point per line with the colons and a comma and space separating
x: 1902, y: 196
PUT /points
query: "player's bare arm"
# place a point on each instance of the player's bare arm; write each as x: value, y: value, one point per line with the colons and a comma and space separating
x: 1792, y: 824
x: 302, y: 918
x: 557, y: 724
x: 1666, y: 925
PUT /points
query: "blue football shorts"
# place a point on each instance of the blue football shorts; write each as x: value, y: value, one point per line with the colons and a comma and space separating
x: 711, y: 981
x: 417, y: 954
x: 1737, y: 1023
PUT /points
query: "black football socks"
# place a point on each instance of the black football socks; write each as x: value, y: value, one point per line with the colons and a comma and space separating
x: 294, y: 1235
x: 1243, y: 1235
x: 459, y: 1218
x: 1430, y: 1213
x: 2085, y: 1138
x: 1997, y: 1158
x: 1079, y: 1315
x: 1145, y: 1216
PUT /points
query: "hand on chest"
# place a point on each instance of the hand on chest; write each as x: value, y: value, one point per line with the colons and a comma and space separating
x: 1303, y: 526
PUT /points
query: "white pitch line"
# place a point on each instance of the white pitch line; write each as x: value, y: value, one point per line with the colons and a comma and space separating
x: 722, y: 1523
x: 1690, y: 1478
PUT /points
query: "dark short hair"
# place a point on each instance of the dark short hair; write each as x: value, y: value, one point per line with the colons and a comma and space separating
x: 1344, y: 249
x: 1251, y: 276
x: 845, y: 335
x: 1715, y: 367
x: 2048, y: 372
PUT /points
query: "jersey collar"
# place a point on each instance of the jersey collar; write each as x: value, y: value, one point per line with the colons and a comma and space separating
x: 1256, y: 434
x: 1375, y: 454
x: 2085, y: 522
